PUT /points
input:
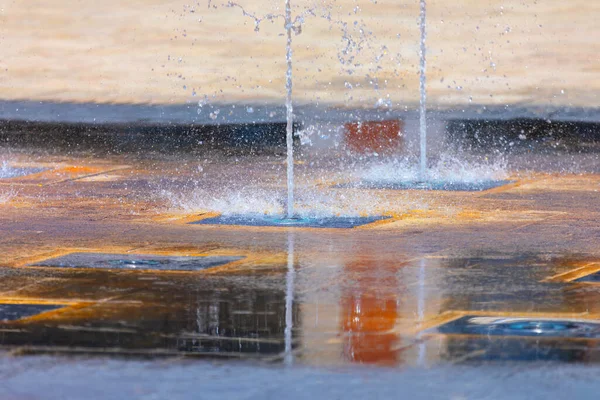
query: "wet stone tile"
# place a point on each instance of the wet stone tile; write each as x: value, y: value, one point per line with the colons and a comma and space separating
x: 527, y: 327
x: 142, y: 262
x: 278, y: 221
x: 13, y: 312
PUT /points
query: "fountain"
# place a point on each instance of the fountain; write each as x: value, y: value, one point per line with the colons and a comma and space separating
x: 423, y: 91
x: 289, y: 112
x: 449, y: 174
x: 289, y: 218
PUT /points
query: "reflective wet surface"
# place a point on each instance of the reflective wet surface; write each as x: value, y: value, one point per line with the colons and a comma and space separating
x: 316, y: 303
x: 101, y: 257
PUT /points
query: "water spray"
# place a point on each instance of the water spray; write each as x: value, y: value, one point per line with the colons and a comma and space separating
x: 423, y: 89
x: 289, y: 112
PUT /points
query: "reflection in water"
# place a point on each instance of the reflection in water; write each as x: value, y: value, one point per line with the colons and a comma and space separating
x: 211, y: 315
x: 350, y: 314
x: 369, y: 314
x: 510, y: 285
x: 486, y: 349
x: 421, y: 296
x: 289, y: 301
x: 227, y: 321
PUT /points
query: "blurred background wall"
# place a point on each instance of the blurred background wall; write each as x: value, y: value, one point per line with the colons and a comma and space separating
x: 355, y: 53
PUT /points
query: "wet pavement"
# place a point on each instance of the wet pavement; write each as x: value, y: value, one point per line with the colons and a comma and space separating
x: 100, y: 259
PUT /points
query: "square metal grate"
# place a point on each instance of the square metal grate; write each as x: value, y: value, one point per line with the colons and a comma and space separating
x: 278, y: 221
x: 13, y: 312
x: 521, y: 326
x: 142, y: 262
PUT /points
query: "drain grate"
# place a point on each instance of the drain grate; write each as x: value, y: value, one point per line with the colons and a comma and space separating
x: 136, y: 262
x: 429, y: 185
x: 537, y: 327
x: 13, y: 312
x: 266, y: 220
x: 7, y: 172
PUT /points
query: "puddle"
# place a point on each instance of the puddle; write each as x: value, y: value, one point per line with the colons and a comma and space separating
x: 137, y: 262
x: 356, y: 306
x: 278, y: 221
x: 207, y: 317
x: 14, y: 312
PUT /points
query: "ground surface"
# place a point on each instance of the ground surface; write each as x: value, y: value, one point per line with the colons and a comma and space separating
x: 389, y: 294
x: 139, y: 380
x: 455, y: 295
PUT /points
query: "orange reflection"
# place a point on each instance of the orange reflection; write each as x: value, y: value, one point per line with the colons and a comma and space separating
x: 369, y: 314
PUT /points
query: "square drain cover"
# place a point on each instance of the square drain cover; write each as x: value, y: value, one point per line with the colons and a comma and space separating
x: 13, y: 312
x: 142, y: 262
x: 431, y: 185
x: 527, y: 326
x: 7, y: 172
x: 267, y: 220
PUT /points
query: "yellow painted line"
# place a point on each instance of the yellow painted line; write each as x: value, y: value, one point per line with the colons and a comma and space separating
x: 509, y: 186
x: 101, y: 172
x: 387, y: 220
x: 51, y: 313
x: 49, y: 176
x: 67, y: 305
x: 574, y: 274
x: 37, y: 301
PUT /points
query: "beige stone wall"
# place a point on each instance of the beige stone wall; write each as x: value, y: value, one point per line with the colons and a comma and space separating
x: 146, y: 51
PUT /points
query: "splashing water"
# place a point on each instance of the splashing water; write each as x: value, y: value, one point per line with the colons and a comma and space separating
x: 6, y: 195
x: 5, y: 170
x: 423, y: 89
x: 256, y: 201
x: 448, y: 169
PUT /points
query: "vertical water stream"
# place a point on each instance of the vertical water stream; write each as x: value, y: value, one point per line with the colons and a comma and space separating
x: 289, y: 112
x: 423, y: 90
